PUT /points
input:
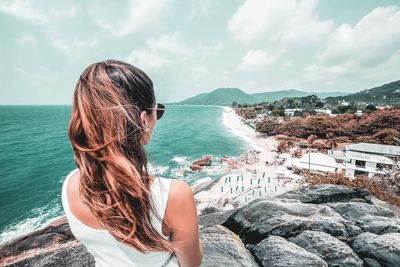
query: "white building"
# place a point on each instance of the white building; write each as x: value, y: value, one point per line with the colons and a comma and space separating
x: 324, y: 111
x: 366, y: 164
x: 291, y: 111
x: 316, y: 162
x: 375, y: 149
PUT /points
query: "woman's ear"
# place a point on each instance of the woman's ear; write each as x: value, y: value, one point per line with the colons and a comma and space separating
x: 143, y: 118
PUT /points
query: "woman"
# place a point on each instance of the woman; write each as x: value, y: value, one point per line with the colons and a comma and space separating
x: 122, y: 214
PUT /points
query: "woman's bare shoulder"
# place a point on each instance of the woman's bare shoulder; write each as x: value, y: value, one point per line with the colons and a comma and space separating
x: 180, y: 198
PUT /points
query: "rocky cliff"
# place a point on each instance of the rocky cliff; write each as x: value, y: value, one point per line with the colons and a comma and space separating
x: 326, y: 225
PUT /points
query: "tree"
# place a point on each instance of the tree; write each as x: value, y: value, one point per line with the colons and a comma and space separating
x: 370, y: 108
x: 267, y: 126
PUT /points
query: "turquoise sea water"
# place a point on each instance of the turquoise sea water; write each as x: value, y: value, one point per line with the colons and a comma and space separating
x: 36, y: 156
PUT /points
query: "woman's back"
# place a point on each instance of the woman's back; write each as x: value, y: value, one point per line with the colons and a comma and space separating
x: 106, y: 250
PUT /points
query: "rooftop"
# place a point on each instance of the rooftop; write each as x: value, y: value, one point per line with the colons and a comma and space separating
x: 375, y: 149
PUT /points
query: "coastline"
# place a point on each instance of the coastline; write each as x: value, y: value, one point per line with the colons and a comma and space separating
x: 236, y: 127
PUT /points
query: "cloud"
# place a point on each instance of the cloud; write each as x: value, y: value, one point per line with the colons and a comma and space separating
x: 256, y: 60
x: 73, y: 46
x: 210, y: 47
x: 23, y: 10
x: 160, y: 52
x: 200, y: 71
x: 26, y: 39
x: 140, y: 15
x: 201, y: 7
x: 146, y: 59
x: 290, y: 21
x: 365, y: 52
x: 170, y: 44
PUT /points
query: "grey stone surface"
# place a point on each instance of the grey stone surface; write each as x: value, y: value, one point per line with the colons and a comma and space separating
x: 276, y: 251
x: 222, y: 247
x: 370, y: 218
x: 383, y: 249
x: 332, y: 250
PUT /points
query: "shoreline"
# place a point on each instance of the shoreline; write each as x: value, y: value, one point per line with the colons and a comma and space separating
x: 233, y: 123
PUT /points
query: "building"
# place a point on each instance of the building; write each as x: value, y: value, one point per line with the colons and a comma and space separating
x: 389, y: 151
x: 316, y: 162
x: 358, y: 163
x: 324, y: 111
x: 291, y: 111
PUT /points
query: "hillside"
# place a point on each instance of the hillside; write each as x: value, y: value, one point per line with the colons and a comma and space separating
x: 387, y: 94
x: 225, y: 96
x: 220, y: 96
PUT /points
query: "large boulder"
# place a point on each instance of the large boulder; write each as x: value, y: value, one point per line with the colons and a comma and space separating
x: 378, y: 249
x: 222, y: 247
x: 53, y: 234
x: 287, y: 218
x: 370, y: 218
x: 325, y: 193
x: 332, y: 250
x: 276, y: 251
x: 72, y: 255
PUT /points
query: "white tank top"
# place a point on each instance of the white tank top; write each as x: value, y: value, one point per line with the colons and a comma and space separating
x: 108, y: 251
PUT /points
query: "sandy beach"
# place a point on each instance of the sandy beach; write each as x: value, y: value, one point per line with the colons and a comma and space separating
x: 248, y: 181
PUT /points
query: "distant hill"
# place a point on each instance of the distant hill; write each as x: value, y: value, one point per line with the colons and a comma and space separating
x: 387, y: 94
x: 225, y: 96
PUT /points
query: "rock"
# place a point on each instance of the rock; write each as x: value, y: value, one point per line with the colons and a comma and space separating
x: 332, y: 250
x: 214, y: 218
x: 286, y: 218
x: 209, y: 209
x: 327, y: 193
x: 276, y: 251
x: 57, y: 232
x: 222, y: 247
x: 383, y: 249
x: 71, y: 256
x: 371, y: 218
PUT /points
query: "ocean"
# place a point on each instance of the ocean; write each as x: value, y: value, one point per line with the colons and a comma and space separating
x: 36, y: 156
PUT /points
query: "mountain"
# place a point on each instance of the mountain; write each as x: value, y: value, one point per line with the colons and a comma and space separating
x: 387, y: 94
x: 220, y: 96
x: 225, y: 96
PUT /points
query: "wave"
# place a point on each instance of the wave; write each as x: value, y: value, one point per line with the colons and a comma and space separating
x: 40, y: 218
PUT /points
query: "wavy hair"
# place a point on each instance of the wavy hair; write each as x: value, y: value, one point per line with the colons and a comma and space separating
x: 105, y: 132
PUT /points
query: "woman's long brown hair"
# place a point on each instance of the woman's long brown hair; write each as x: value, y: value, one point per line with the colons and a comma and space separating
x: 105, y: 132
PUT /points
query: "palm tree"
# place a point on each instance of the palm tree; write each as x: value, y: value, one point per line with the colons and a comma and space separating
x: 330, y: 141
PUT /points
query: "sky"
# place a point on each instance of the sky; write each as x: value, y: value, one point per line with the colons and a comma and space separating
x: 195, y: 46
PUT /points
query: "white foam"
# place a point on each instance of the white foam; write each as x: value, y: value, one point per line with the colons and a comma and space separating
x: 41, y: 217
x: 180, y: 159
x: 234, y: 125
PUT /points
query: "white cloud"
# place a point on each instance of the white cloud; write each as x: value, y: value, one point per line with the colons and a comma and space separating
x: 256, y: 60
x: 200, y: 71
x: 146, y: 59
x: 140, y: 15
x: 201, y: 7
x: 23, y: 10
x: 210, y: 47
x: 26, y: 39
x: 170, y: 44
x: 373, y: 36
x: 365, y: 52
x: 284, y: 21
x: 160, y: 52
x: 73, y: 46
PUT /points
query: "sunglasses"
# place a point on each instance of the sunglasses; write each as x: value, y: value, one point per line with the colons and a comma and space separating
x: 160, y: 110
